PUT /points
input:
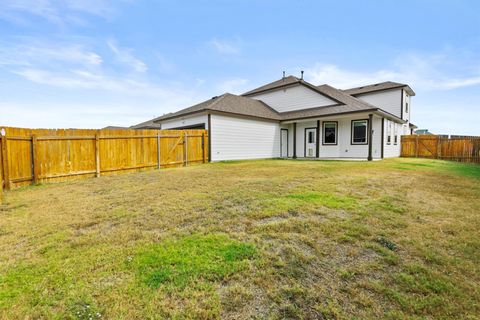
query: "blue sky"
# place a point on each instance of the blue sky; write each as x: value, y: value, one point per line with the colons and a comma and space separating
x: 93, y: 63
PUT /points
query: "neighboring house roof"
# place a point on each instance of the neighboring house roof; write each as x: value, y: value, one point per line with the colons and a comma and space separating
x: 379, y: 87
x: 422, y: 131
x: 146, y: 125
x: 228, y: 103
x: 114, y: 128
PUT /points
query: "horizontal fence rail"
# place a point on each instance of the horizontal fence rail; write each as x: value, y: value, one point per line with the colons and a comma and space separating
x: 462, y: 149
x: 30, y: 156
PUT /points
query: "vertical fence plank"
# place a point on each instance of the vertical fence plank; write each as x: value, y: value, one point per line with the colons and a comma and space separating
x: 35, y: 164
x: 97, y: 155
x: 159, y: 158
x: 204, y: 158
x: 416, y: 147
x: 185, y: 148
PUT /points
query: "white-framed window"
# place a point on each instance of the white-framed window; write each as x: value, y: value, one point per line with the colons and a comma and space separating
x: 389, y: 132
x: 359, y: 131
x: 330, y: 132
x: 395, y: 137
x: 406, y: 107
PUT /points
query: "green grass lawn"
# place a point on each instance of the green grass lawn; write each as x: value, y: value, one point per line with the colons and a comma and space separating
x: 274, y: 239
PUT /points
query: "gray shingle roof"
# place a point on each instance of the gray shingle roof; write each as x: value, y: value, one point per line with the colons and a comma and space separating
x: 243, y: 105
x: 229, y: 103
x: 347, y: 104
x: 275, y: 84
x: 379, y: 87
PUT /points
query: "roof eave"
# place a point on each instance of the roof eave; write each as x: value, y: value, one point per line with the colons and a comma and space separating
x: 377, y: 111
x: 403, y: 86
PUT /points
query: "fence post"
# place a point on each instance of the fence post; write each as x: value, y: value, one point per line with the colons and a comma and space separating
x: 97, y: 155
x: 185, y: 148
x: 158, y: 150
x: 203, y: 147
x: 35, y: 167
x: 1, y: 183
x: 416, y: 147
x: 1, y: 186
x: 6, y: 173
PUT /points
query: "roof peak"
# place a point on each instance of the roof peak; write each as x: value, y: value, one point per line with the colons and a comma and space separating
x: 288, y: 80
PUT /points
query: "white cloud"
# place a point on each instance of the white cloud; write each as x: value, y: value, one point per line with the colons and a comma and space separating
x: 57, y: 12
x: 126, y: 57
x: 83, y: 79
x: 341, y: 78
x: 225, y: 47
x: 425, y: 72
x: 36, y: 53
x: 235, y: 86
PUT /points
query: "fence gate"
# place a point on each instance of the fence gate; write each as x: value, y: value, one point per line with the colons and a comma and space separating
x: 463, y: 149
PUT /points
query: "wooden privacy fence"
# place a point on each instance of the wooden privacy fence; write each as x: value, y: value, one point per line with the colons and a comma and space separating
x: 42, y: 155
x: 463, y: 149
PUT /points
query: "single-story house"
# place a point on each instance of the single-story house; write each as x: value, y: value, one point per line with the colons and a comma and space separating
x: 291, y: 118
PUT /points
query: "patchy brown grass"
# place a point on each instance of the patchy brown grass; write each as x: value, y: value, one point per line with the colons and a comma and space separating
x: 271, y: 239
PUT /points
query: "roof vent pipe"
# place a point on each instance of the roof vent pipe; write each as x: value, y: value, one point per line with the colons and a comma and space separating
x: 301, y: 77
x: 283, y: 75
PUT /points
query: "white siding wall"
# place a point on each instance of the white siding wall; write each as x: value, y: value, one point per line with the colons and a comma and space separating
x: 294, y: 98
x: 392, y: 150
x: 235, y: 138
x: 389, y: 100
x: 185, y: 121
x: 344, y: 148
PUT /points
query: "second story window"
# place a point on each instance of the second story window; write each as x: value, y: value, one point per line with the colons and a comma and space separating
x: 406, y: 107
